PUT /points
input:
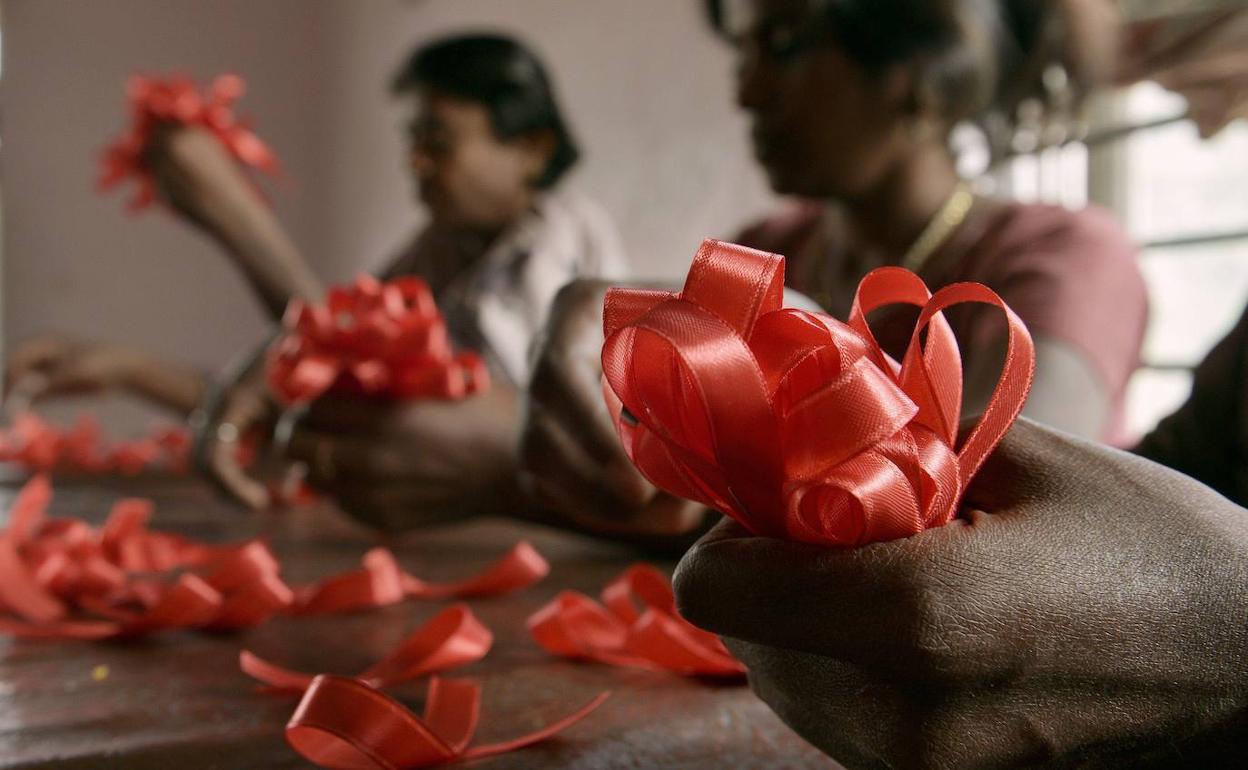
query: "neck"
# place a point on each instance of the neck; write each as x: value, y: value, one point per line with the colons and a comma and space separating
x: 892, y: 215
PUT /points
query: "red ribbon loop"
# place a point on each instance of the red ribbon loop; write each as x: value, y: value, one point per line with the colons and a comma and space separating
x: 793, y: 423
x: 344, y: 724
x: 638, y: 627
x: 454, y: 637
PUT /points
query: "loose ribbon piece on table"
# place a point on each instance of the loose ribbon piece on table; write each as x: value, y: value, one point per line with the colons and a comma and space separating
x: 346, y: 724
x: 37, y: 445
x: 454, y: 637
x: 380, y: 581
x: 62, y: 578
x: 575, y: 626
x: 793, y: 423
x: 386, y: 340
x: 176, y: 100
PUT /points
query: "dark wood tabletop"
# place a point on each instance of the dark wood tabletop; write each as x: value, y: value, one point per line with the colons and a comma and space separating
x: 178, y: 700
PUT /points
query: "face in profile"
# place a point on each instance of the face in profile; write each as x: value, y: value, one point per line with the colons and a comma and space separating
x: 822, y: 126
x: 465, y: 175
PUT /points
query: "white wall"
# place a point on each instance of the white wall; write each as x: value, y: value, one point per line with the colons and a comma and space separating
x: 646, y: 86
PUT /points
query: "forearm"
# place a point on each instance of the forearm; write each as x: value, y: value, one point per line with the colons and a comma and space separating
x: 174, y: 387
x: 250, y: 232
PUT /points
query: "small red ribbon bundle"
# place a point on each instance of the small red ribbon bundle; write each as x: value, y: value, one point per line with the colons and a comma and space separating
x: 793, y: 423
x: 38, y: 445
x: 657, y: 638
x: 62, y: 578
x: 370, y: 338
x: 154, y: 102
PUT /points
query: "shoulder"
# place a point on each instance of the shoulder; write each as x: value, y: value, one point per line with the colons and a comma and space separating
x: 785, y: 230
x: 1084, y: 254
x: 580, y: 234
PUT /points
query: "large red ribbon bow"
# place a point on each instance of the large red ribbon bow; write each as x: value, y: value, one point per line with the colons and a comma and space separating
x: 657, y: 637
x: 371, y: 338
x: 793, y: 423
x: 154, y: 102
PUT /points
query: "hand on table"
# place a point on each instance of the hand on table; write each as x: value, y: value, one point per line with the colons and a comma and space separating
x: 401, y: 465
x: 1091, y: 611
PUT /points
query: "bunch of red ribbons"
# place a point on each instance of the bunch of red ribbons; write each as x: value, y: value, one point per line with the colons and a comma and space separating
x: 793, y: 423
x: 176, y: 100
x: 62, y: 578
x: 37, y: 445
x: 384, y: 340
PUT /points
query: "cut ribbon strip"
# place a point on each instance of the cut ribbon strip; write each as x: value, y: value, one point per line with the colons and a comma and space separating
x: 386, y: 340
x: 176, y: 100
x: 63, y: 578
x: 454, y: 637
x: 793, y: 423
x: 380, y: 581
x: 345, y: 724
x: 657, y: 638
x: 40, y: 446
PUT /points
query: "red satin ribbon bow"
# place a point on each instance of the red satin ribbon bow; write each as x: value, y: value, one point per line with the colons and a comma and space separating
x: 37, y: 445
x: 154, y: 102
x: 793, y: 423
x: 371, y: 338
x: 575, y: 626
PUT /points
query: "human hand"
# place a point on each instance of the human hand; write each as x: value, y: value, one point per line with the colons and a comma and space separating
x: 399, y: 465
x: 1089, y: 611
x: 570, y: 455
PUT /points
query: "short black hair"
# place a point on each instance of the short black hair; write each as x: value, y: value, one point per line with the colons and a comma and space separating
x: 505, y: 77
x: 973, y: 59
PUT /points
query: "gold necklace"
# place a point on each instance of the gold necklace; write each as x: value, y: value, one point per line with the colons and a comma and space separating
x: 951, y: 214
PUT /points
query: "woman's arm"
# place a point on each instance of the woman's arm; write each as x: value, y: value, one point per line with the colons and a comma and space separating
x: 200, y: 181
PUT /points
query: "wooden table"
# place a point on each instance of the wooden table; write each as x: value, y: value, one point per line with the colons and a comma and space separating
x: 178, y: 701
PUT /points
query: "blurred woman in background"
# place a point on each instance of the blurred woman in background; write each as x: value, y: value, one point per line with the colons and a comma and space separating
x: 852, y: 104
x: 489, y: 149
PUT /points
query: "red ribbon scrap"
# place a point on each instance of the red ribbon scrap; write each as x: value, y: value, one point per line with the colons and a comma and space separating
x: 62, y: 578
x: 793, y: 423
x: 385, y: 340
x: 40, y: 446
x: 346, y: 722
x: 154, y: 102
x: 657, y: 638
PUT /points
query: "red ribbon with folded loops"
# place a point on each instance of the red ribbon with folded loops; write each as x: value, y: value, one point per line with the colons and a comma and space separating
x: 656, y: 637
x: 793, y: 423
x: 454, y: 637
x: 62, y: 578
x: 154, y: 102
x: 345, y: 724
x: 386, y: 340
x: 40, y: 446
x: 380, y: 581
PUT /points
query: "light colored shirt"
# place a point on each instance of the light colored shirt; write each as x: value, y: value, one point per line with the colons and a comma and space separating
x: 500, y: 301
